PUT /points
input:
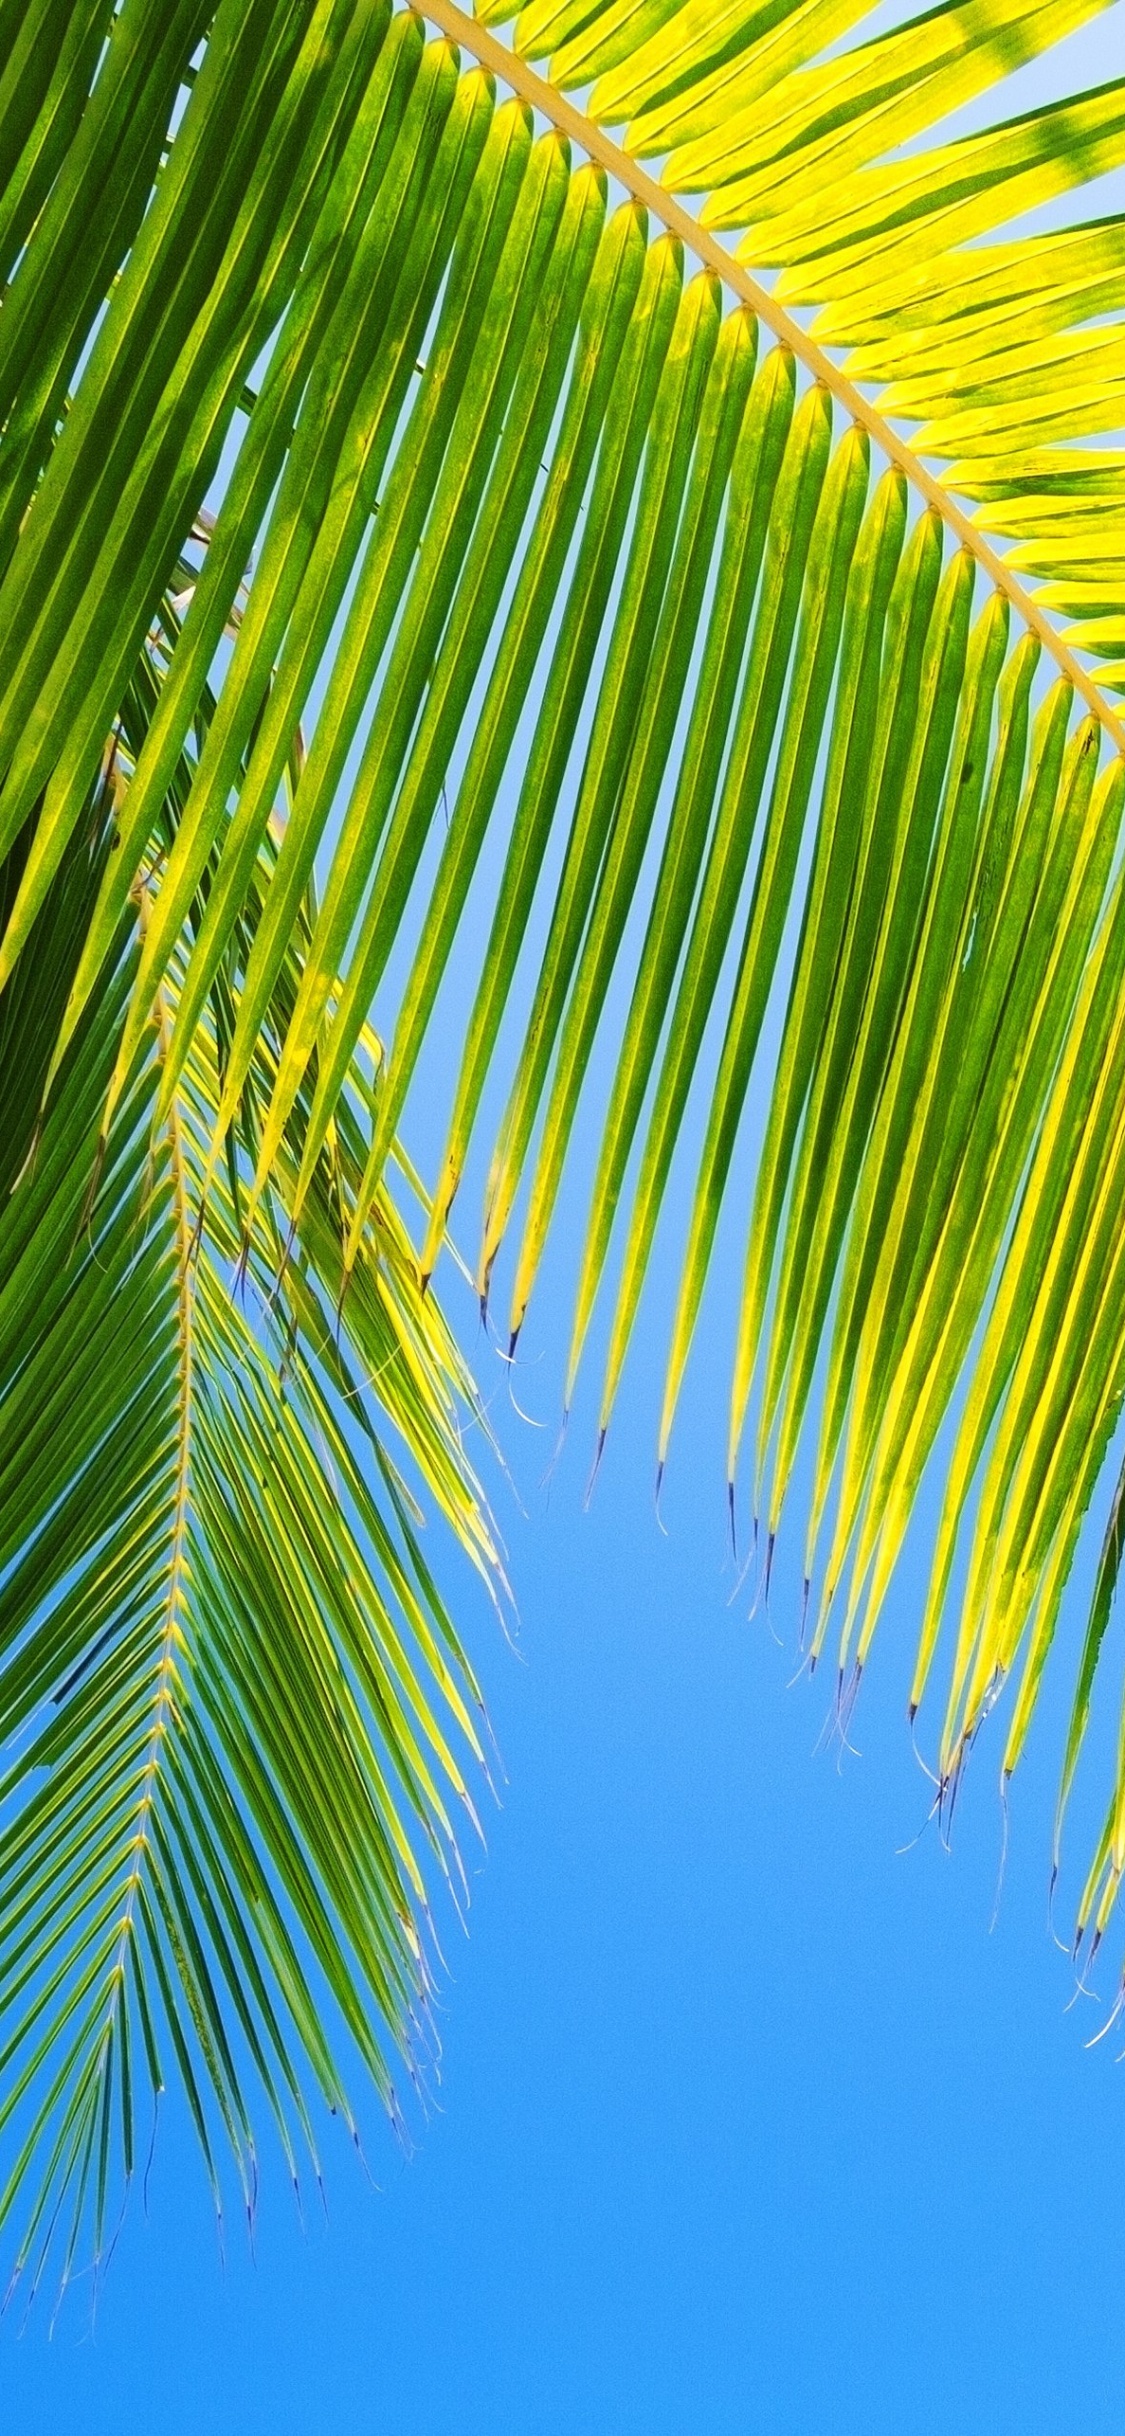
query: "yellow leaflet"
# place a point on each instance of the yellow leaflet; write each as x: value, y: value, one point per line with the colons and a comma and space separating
x: 893, y: 88
x: 1105, y: 636
x: 678, y: 105
x: 1086, y: 410
x: 980, y: 284
x: 959, y: 190
x: 1092, y: 474
x: 1064, y: 529
x: 1022, y: 371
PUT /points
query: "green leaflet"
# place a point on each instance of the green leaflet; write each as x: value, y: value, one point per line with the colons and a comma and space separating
x: 916, y: 1137
x: 221, y: 339
x: 618, y: 714
x: 870, y: 747
x: 448, y: 177
x: 1053, y: 1293
x: 518, y: 233
x: 834, y: 540
x: 563, y: 692
x: 342, y: 434
x: 89, y: 217
x: 663, y: 678
x: 487, y: 566
x: 126, y: 430
x: 323, y: 289
x: 756, y: 462
x: 1049, y: 907
x: 793, y: 513
x: 919, y: 935
x: 610, y: 294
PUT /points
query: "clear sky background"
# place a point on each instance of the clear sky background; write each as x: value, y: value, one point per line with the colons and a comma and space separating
x: 750, y: 2120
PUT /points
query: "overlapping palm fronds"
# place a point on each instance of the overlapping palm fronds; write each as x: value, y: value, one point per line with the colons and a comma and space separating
x: 236, y: 1715
x: 782, y: 602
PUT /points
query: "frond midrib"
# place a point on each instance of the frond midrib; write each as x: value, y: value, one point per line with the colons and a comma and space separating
x: 572, y: 122
x: 171, y: 1633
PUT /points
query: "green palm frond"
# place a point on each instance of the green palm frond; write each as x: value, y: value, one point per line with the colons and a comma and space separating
x: 749, y: 636
x: 235, y: 1713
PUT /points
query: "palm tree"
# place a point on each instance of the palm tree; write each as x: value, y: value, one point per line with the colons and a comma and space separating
x: 718, y: 635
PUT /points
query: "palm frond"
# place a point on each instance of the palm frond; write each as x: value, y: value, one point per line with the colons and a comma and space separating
x: 730, y: 696
x: 235, y: 1713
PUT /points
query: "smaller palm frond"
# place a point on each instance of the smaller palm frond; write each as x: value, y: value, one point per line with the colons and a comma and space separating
x: 235, y: 1716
